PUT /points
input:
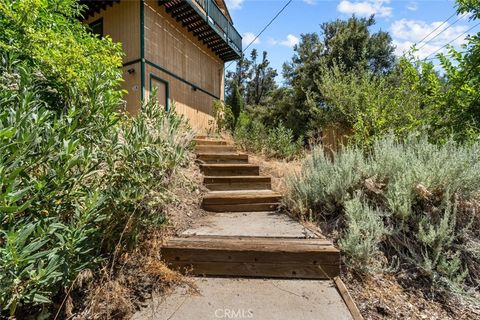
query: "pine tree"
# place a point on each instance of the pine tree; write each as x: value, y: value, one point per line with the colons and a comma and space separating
x: 235, y: 102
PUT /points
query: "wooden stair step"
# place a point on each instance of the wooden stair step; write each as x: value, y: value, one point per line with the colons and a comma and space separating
x: 209, y: 142
x: 215, y: 148
x: 253, y: 256
x: 223, y: 157
x: 227, y: 169
x: 240, y: 197
x: 237, y: 201
x: 237, y: 182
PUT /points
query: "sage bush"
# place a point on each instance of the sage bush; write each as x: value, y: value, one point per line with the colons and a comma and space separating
x: 410, y: 200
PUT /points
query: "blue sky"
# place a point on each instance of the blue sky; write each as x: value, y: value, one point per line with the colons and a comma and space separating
x: 408, y: 22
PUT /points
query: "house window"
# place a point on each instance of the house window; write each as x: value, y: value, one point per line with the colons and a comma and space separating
x: 96, y: 27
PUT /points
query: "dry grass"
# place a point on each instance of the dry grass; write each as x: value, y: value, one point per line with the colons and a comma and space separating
x: 277, y: 169
x: 394, y: 296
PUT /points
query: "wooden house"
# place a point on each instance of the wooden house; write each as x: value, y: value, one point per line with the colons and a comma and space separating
x: 178, y: 47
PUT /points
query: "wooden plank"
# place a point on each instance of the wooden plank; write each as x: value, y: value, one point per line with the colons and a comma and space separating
x: 238, y: 186
x: 237, y: 179
x: 205, y: 142
x: 240, y: 207
x: 243, y: 242
x: 227, y: 169
x: 223, y: 158
x: 241, y: 197
x: 254, y: 256
x: 312, y: 257
x: 347, y: 298
x: 215, y: 149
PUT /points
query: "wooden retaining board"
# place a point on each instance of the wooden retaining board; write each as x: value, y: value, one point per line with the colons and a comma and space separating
x: 209, y: 142
x: 223, y: 157
x: 240, y: 207
x: 215, y: 149
x: 239, y: 197
x: 253, y: 257
x: 221, y: 183
x: 243, y: 169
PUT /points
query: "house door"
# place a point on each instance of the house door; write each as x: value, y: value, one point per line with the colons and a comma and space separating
x: 162, y: 89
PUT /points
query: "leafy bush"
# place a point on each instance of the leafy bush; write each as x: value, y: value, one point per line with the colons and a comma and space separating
x: 276, y: 142
x: 426, y: 196
x: 75, y: 183
x: 222, y: 118
x: 47, y: 34
x: 372, y: 105
x: 77, y: 178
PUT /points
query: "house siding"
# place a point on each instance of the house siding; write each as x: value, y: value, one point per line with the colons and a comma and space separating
x: 121, y: 22
x: 193, y: 71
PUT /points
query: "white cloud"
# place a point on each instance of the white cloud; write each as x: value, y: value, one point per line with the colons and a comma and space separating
x: 234, y: 4
x: 248, y: 37
x: 290, y: 41
x: 310, y: 2
x: 366, y: 8
x: 408, y: 32
x: 412, y: 6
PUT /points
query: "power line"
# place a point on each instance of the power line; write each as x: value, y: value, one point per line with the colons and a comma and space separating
x: 448, y: 27
x: 428, y: 35
x: 436, y: 51
x: 447, y: 55
x: 264, y: 28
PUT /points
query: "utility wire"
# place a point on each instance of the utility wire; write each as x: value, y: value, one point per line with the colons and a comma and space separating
x: 264, y: 28
x: 428, y: 35
x: 446, y: 55
x: 436, y: 51
x: 448, y: 27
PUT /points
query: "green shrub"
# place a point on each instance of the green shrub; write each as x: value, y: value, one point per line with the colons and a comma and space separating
x: 281, y: 143
x: 373, y: 105
x: 78, y: 178
x: 425, y: 195
x: 276, y: 142
x: 222, y: 118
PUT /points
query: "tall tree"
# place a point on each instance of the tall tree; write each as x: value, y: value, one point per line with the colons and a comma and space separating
x: 263, y: 79
x: 255, y: 80
x: 241, y: 75
x: 348, y: 44
x: 235, y: 102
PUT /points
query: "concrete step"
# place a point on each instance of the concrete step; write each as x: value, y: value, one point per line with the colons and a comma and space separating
x: 223, y: 157
x: 248, y: 224
x: 253, y: 257
x: 242, y: 169
x: 209, y: 142
x: 246, y: 200
x: 218, y: 183
x: 248, y: 298
x: 215, y: 149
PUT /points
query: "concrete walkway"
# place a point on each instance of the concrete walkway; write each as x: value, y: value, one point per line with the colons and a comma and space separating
x: 262, y: 299
x: 241, y: 238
